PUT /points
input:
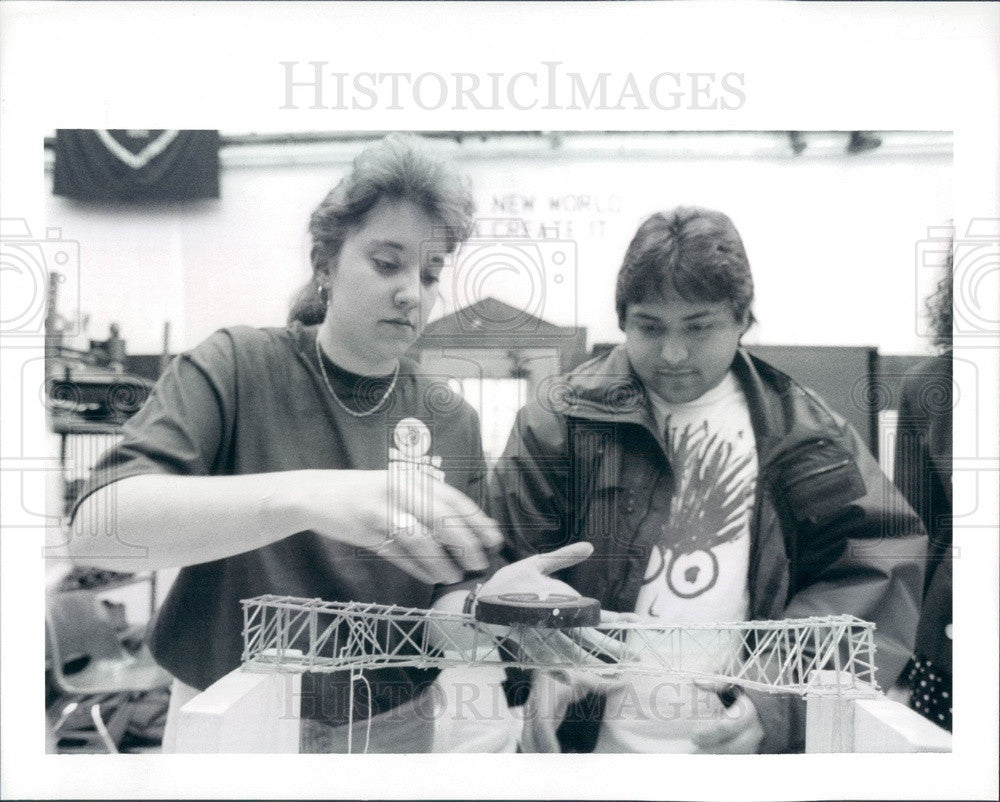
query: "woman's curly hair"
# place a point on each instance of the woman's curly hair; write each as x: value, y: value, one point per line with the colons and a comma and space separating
x: 940, y: 304
x: 396, y: 168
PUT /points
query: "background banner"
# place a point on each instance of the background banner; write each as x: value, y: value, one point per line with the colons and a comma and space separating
x: 130, y: 165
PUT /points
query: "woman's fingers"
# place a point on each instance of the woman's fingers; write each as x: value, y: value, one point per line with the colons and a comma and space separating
x: 478, y: 522
x: 409, y: 516
x: 412, y: 549
x: 447, y: 506
x: 455, y: 521
x: 463, y: 544
x: 461, y: 512
x: 403, y: 561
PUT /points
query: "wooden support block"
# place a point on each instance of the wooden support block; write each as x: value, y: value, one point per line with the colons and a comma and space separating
x: 829, y: 715
x: 881, y: 725
x: 243, y: 713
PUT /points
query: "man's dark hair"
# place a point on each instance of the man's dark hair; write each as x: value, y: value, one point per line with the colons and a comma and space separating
x: 695, y: 252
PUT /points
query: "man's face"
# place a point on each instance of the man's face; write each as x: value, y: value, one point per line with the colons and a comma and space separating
x: 681, y: 349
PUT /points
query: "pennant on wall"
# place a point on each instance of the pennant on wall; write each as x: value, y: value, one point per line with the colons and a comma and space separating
x: 127, y: 165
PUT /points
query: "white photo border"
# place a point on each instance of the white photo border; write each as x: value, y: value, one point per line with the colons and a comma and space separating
x: 806, y: 66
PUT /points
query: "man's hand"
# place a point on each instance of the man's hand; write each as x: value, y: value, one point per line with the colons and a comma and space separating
x: 736, y: 730
x: 531, y: 575
x: 552, y: 692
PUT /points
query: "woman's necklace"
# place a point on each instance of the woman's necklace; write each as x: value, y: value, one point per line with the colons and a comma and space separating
x: 341, y: 404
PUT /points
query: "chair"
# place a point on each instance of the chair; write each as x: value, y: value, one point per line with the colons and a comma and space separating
x: 90, y: 664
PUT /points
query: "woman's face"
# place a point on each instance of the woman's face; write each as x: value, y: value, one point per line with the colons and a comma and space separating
x: 382, y: 288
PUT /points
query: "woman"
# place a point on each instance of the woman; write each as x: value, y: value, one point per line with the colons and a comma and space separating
x: 313, y: 460
x: 923, y: 473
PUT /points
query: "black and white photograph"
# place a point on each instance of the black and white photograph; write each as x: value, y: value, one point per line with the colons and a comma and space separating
x: 527, y: 407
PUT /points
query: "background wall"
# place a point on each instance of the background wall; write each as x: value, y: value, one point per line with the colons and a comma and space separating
x: 832, y: 237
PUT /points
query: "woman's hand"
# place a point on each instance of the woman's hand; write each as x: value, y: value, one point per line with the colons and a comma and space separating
x: 406, y: 515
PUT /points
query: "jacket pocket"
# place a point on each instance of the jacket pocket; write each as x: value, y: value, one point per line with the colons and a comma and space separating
x: 814, y: 479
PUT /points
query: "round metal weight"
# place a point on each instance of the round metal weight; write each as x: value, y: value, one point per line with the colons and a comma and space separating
x: 555, y: 611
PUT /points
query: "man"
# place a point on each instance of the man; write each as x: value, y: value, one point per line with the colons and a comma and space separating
x: 713, y: 488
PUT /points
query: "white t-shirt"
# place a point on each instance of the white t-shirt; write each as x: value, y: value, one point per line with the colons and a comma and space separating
x: 697, y: 573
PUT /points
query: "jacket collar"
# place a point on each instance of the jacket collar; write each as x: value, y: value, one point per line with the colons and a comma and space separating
x: 606, y: 389
x: 763, y: 399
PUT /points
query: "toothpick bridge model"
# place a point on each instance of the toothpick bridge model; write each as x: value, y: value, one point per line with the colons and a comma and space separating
x: 828, y: 660
x: 288, y: 634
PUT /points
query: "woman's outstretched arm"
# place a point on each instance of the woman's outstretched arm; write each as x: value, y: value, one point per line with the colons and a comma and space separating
x: 161, y: 520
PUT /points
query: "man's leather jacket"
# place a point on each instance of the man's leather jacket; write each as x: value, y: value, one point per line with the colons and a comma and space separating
x: 830, y: 533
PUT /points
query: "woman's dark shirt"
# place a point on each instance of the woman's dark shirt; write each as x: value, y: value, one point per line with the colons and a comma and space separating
x: 250, y: 401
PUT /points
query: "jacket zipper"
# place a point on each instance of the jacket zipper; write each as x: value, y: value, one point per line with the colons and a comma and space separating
x: 752, y: 581
x: 818, y: 472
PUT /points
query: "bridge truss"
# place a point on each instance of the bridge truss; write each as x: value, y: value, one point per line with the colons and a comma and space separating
x: 287, y: 634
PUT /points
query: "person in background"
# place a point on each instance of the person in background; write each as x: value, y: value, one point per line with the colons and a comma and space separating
x: 713, y: 488
x: 922, y: 471
x: 110, y: 352
x: 284, y: 460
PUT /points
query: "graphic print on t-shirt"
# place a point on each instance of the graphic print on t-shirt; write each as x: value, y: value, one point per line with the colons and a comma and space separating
x: 699, y: 521
x: 413, y: 476
x: 708, y: 508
